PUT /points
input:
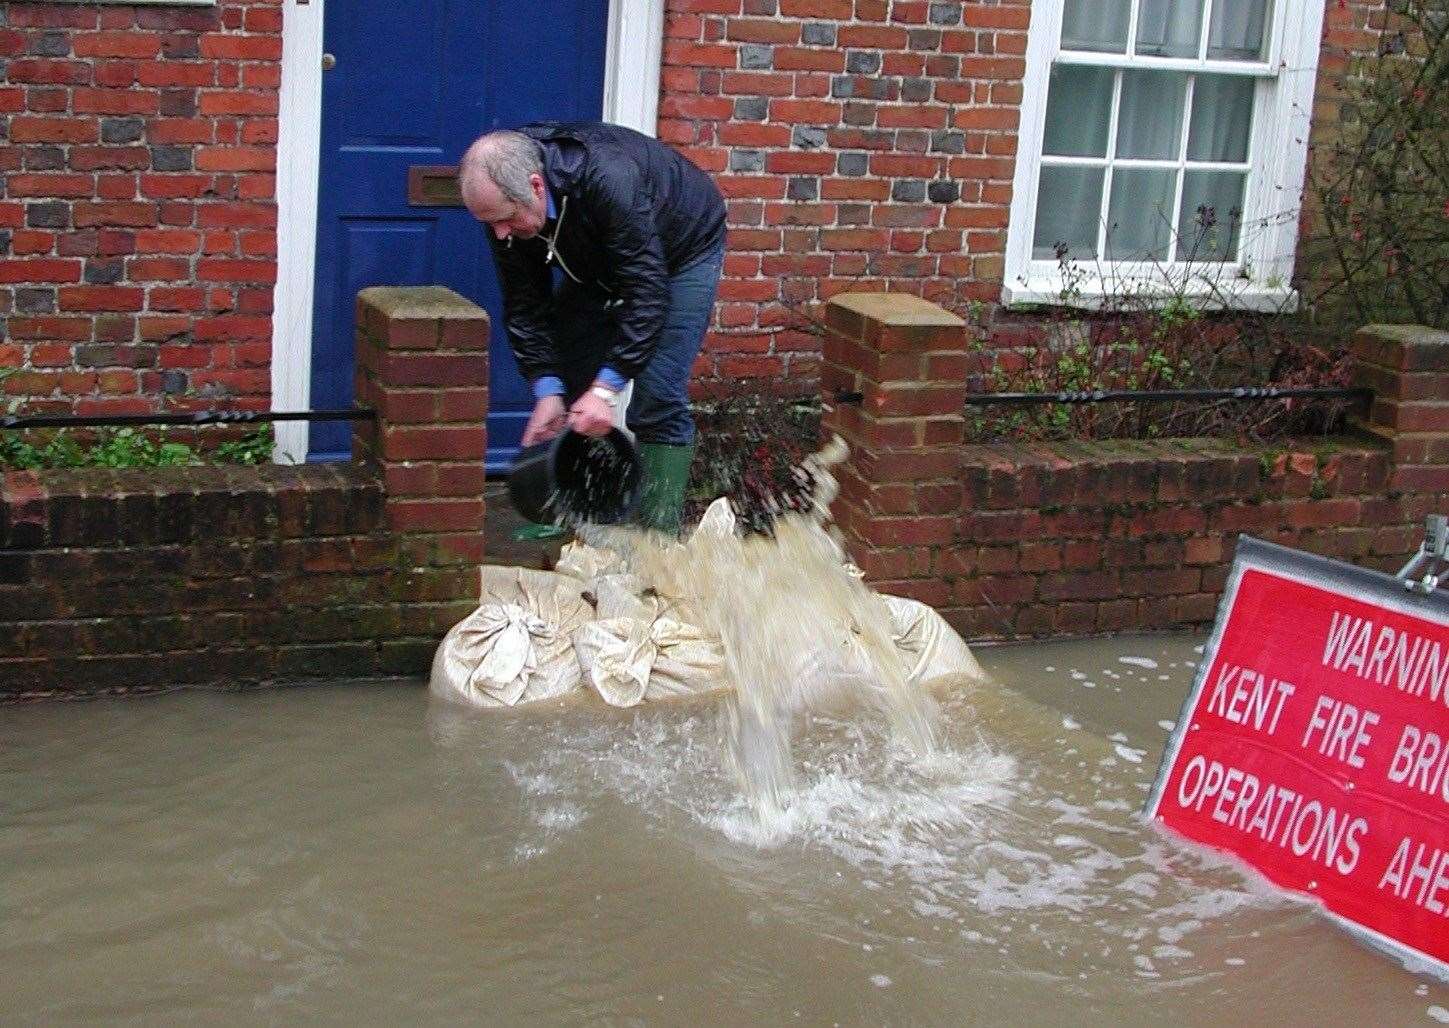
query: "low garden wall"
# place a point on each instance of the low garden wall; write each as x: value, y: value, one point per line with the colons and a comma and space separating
x: 146, y: 579
x: 137, y: 580
x: 1016, y: 541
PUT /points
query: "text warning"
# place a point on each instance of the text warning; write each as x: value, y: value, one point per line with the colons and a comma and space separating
x: 1315, y: 744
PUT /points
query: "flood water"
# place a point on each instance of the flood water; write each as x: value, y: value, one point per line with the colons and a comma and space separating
x: 361, y: 855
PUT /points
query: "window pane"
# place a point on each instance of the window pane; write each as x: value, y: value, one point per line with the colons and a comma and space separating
x: 1096, y: 25
x: 1068, y: 206
x: 1139, y: 218
x: 1236, y: 30
x: 1211, y: 215
x: 1079, y: 111
x: 1149, y: 119
x: 1222, y: 113
x: 1169, y: 28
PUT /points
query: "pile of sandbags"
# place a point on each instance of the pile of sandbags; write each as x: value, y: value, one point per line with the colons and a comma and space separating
x: 616, y: 617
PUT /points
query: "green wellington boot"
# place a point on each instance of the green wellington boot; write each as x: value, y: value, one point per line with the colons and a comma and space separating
x: 666, y: 475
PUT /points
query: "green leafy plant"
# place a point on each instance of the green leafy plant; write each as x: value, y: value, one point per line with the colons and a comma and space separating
x: 253, y: 448
x: 123, y: 448
x: 750, y: 448
x: 1378, y: 246
x: 1179, y: 330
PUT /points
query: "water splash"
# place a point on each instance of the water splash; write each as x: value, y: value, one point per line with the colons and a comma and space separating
x: 800, y: 633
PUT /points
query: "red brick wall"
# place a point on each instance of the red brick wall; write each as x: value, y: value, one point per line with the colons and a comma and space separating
x: 842, y: 131
x: 148, y: 578
x: 862, y: 144
x: 1351, y: 29
x: 138, y: 220
x: 1076, y: 538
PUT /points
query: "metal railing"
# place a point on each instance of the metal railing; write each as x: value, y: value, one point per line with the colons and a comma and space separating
x: 1238, y: 393
x: 216, y: 417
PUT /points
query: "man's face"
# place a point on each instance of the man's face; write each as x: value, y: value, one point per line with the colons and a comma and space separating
x: 506, y: 217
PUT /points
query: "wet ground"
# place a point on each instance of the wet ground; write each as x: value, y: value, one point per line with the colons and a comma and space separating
x: 356, y: 854
x: 501, y: 522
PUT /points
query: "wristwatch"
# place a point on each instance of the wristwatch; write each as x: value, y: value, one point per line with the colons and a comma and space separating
x: 607, y: 395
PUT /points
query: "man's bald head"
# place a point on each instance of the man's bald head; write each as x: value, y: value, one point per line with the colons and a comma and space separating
x: 501, y: 179
x: 507, y: 159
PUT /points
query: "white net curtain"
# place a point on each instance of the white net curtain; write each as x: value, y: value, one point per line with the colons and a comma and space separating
x: 1148, y: 124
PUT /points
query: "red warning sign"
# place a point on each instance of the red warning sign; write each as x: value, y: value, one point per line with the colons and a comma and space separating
x: 1315, y: 744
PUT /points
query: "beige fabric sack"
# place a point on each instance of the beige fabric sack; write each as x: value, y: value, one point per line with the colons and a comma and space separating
x: 517, y: 647
x: 586, y: 563
x: 642, y: 647
x: 628, y: 660
x: 928, y: 646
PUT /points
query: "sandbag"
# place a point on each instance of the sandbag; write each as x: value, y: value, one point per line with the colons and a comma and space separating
x: 586, y: 563
x: 629, y: 660
x: 928, y: 646
x: 517, y: 647
x: 642, y: 645
x: 622, y: 596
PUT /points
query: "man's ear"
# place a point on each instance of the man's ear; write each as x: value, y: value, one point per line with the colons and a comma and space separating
x: 536, y: 181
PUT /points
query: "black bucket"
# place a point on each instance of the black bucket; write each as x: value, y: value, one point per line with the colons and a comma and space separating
x: 575, y: 478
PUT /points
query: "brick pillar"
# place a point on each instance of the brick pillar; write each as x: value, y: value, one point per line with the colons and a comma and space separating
x: 422, y: 364
x: 900, y: 496
x: 1407, y: 366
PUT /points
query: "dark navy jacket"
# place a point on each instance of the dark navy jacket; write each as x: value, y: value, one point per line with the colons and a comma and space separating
x: 629, y: 212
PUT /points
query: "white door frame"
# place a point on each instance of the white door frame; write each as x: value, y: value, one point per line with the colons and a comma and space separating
x: 631, y: 97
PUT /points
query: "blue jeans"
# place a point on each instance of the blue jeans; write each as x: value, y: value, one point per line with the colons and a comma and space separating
x: 659, y: 409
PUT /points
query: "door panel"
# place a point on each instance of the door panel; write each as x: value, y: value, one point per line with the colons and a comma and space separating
x: 414, y: 84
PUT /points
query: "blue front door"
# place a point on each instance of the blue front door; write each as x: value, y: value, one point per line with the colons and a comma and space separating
x: 412, y: 85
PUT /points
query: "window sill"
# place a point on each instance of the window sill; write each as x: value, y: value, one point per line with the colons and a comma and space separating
x: 1205, y: 294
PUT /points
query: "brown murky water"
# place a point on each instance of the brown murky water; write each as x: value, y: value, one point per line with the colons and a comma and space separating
x: 359, y: 855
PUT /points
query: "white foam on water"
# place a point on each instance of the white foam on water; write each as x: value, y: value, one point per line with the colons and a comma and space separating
x: 1016, y: 845
x: 896, y: 813
x: 1438, y: 1013
x: 959, y: 831
x: 1143, y: 883
x: 1166, y: 725
x: 1146, y: 663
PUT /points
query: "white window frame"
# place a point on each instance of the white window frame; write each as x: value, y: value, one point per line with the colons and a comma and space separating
x: 1277, y: 154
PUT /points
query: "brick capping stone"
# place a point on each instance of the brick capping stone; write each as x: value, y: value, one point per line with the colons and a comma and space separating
x: 1407, y: 366
x: 422, y: 364
x: 145, y: 579
x: 1073, y: 538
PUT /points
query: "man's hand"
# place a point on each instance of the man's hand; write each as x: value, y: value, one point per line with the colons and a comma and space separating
x: 590, y: 415
x: 546, y: 421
